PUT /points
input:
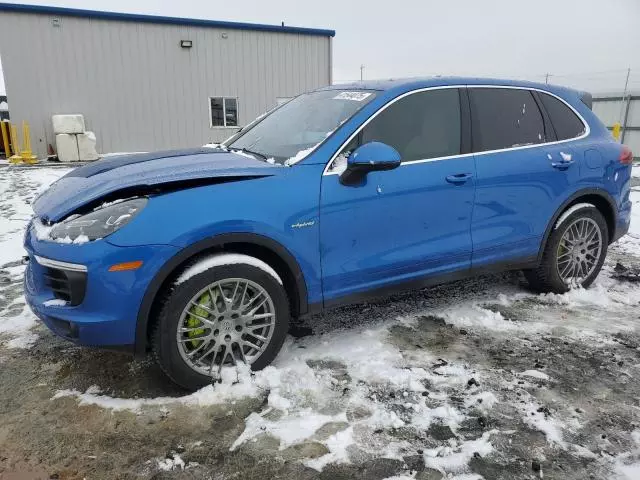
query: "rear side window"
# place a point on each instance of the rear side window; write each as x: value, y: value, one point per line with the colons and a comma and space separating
x: 420, y: 126
x: 565, y: 122
x: 504, y: 118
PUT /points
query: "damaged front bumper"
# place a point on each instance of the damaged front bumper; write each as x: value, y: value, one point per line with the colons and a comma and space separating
x: 70, y: 288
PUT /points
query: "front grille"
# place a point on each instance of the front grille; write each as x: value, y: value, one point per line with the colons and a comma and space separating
x: 66, y: 285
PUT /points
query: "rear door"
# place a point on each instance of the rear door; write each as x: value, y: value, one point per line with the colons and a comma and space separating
x: 409, y: 222
x: 523, y: 175
x: 569, y: 157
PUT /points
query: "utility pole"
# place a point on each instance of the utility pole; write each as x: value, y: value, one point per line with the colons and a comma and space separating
x: 546, y: 78
x: 361, y: 72
x: 622, y: 106
x: 624, y: 92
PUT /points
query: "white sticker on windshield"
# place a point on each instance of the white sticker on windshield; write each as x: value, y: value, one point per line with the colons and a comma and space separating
x: 356, y: 96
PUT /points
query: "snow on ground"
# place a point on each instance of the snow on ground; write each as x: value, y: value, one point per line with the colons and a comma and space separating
x: 15, y: 209
x: 18, y: 188
x: 630, y: 242
x: 18, y: 327
x: 363, y: 383
x: 478, y: 379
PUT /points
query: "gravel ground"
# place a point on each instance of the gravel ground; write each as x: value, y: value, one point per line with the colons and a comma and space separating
x: 470, y: 380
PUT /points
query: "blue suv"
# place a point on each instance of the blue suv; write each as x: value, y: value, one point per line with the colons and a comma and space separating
x: 351, y: 191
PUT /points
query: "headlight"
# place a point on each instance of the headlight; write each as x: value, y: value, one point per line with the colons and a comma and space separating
x: 98, y: 224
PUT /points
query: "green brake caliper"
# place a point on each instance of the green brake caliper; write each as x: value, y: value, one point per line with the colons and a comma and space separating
x: 192, y: 321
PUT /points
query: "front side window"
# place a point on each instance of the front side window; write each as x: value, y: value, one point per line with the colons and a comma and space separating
x: 419, y: 126
x: 224, y: 111
x: 566, y: 123
x: 293, y: 130
x: 504, y: 118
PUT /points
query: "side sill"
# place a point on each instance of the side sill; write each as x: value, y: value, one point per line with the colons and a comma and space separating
x: 423, y: 282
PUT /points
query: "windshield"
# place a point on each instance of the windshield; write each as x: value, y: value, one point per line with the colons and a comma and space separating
x: 292, y: 131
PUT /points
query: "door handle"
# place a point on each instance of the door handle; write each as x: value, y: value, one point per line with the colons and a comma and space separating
x: 459, y: 178
x: 562, y: 164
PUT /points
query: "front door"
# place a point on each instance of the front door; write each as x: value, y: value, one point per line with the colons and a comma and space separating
x: 405, y: 223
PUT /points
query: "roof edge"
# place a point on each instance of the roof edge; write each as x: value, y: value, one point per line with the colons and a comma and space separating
x: 157, y: 19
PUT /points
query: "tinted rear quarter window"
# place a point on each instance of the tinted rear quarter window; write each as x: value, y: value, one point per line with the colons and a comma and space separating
x: 565, y: 122
x: 504, y: 118
x: 420, y: 126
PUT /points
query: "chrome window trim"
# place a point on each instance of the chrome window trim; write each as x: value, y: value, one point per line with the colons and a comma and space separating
x: 72, y: 267
x: 587, y: 129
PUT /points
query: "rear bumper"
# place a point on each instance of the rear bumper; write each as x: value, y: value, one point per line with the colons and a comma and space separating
x: 109, y: 302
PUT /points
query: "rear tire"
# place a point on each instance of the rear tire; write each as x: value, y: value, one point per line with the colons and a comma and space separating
x: 214, y: 310
x: 570, y: 258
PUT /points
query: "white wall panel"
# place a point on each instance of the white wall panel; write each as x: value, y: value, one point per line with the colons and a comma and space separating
x: 137, y: 88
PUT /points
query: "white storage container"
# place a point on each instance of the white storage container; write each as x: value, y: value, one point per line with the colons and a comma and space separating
x: 67, y: 147
x: 87, y: 147
x: 68, y: 123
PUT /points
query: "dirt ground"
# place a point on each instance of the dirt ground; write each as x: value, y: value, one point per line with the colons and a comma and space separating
x: 475, y: 379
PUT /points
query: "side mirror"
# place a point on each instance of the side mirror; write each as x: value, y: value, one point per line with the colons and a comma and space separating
x: 370, y: 157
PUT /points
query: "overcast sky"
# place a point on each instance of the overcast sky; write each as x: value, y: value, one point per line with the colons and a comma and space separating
x: 583, y: 43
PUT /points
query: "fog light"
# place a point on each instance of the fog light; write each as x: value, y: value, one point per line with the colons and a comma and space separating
x: 122, y: 267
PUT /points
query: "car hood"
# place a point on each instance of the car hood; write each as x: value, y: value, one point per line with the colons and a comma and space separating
x: 91, y: 182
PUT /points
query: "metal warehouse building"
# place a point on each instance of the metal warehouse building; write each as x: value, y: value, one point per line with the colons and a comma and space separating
x: 624, y: 109
x: 148, y: 82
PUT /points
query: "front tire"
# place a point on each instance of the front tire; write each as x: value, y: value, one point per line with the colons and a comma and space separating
x: 574, y: 253
x: 218, y: 316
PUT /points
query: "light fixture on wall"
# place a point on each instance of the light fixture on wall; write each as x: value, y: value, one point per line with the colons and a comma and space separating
x: 186, y: 43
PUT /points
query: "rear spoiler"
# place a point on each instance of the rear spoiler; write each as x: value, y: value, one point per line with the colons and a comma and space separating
x: 587, y: 99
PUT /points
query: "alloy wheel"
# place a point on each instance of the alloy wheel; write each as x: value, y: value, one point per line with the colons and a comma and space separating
x: 227, y: 322
x: 579, y: 251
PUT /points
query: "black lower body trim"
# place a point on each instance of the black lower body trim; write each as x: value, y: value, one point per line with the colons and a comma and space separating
x: 423, y: 282
x: 620, y: 232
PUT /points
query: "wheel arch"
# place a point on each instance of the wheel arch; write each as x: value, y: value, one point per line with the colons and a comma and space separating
x: 602, y: 200
x: 259, y: 246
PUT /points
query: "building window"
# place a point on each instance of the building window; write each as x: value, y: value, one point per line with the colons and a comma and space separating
x: 224, y: 111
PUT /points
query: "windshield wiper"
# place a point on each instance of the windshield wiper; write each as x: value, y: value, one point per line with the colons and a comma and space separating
x: 251, y: 152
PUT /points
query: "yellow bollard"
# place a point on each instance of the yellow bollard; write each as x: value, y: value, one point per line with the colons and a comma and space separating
x: 15, y: 158
x: 26, y: 154
x: 615, y: 131
x: 4, y: 126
